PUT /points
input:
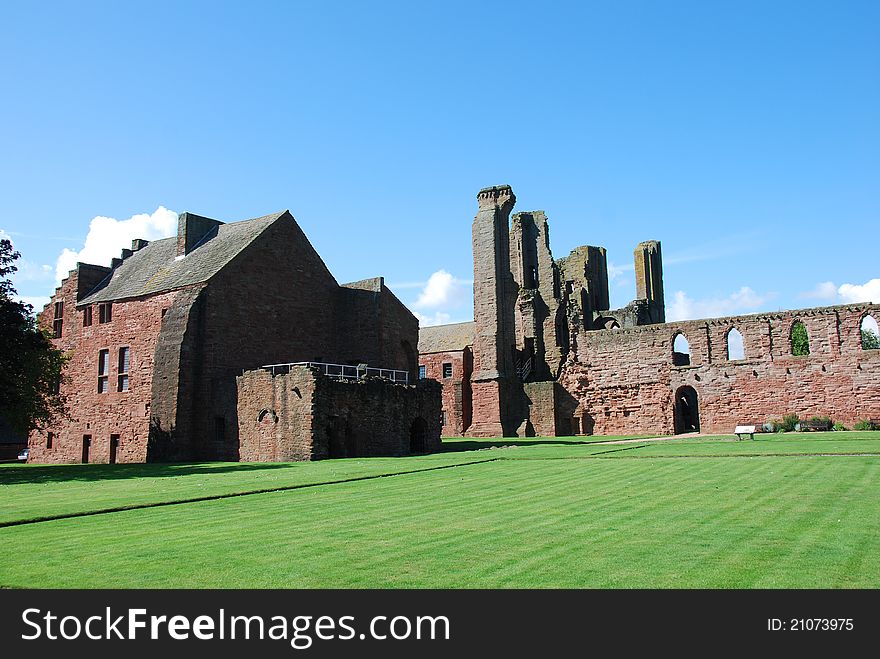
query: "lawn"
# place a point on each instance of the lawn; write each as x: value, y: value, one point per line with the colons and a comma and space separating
x: 782, y: 511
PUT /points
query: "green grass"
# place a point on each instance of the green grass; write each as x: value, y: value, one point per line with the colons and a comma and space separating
x: 782, y: 511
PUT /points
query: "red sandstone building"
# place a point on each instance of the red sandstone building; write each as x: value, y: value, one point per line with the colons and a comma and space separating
x: 163, y: 343
x: 550, y: 358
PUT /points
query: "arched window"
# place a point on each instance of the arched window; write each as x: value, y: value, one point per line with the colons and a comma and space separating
x: 800, y: 341
x: 681, y: 351
x: 735, y: 347
x: 870, y: 333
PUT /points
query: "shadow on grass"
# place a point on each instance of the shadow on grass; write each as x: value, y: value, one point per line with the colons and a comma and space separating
x: 19, y: 474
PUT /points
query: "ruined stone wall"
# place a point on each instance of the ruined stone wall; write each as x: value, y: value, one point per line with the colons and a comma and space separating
x: 305, y: 416
x: 135, y: 324
x: 539, y: 314
x: 624, y: 381
x: 456, y: 394
x: 496, y: 409
x: 275, y: 416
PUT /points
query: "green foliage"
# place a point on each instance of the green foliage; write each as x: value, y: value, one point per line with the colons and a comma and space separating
x: 30, y: 366
x: 800, y: 342
x: 870, y: 341
x: 789, y: 422
x: 864, y: 424
x: 838, y: 426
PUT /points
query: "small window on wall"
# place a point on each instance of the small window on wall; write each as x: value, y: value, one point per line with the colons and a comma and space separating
x: 103, y: 371
x: 735, y: 347
x: 105, y: 312
x: 87, y: 316
x: 423, y: 372
x: 800, y: 341
x: 58, y: 322
x: 442, y: 417
x: 50, y: 437
x: 124, y: 358
x: 870, y: 333
x: 447, y: 370
x: 681, y: 351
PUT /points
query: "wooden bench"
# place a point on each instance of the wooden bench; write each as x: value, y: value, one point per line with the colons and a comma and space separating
x: 744, y: 430
x: 815, y: 425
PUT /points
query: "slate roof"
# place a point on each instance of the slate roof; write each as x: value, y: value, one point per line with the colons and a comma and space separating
x: 156, y: 268
x: 446, y: 338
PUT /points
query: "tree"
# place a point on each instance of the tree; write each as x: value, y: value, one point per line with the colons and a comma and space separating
x: 870, y: 341
x: 30, y: 366
x: 800, y: 342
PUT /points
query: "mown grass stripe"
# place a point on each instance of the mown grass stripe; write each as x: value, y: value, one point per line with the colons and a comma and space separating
x: 229, y: 495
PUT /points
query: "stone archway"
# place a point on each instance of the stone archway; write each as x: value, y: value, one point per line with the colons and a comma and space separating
x: 687, y: 410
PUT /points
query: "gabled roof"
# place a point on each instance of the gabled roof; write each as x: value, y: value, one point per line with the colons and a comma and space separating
x: 156, y: 267
x: 446, y: 338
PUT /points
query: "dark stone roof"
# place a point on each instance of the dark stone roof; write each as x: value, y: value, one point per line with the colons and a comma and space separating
x: 446, y: 338
x: 156, y: 268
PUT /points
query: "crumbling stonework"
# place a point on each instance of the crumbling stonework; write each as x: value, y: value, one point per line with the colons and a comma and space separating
x: 625, y: 381
x: 578, y: 367
x: 304, y: 415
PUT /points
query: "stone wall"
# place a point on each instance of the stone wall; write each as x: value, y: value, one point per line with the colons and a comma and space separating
x: 301, y: 415
x: 456, y: 395
x: 624, y: 381
x: 98, y: 416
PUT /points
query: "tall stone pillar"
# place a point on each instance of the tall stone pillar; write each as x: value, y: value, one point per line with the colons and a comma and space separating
x: 494, y: 377
x: 649, y: 278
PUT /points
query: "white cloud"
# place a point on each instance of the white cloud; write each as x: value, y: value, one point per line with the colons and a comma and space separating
x: 107, y: 236
x: 438, y: 318
x: 744, y: 300
x: 825, y: 290
x: 846, y: 293
x: 867, y: 292
x: 442, y: 290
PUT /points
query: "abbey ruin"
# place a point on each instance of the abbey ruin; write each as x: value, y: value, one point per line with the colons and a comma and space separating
x: 546, y: 356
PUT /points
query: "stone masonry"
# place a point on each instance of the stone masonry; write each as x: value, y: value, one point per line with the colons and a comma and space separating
x: 187, y: 315
x: 570, y: 365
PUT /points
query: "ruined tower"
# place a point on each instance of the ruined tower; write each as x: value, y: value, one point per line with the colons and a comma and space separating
x: 649, y: 279
x: 541, y: 337
x: 494, y: 379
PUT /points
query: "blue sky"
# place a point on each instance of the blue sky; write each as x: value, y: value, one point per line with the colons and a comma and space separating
x: 743, y: 135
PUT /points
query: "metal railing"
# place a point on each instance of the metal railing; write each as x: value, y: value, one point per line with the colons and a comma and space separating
x: 343, y: 371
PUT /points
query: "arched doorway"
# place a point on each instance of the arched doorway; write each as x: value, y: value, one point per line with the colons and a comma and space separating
x: 687, y: 410
x: 418, y: 435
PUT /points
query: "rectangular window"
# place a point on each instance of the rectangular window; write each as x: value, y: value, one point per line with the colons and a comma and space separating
x: 105, y: 312
x: 58, y: 321
x: 87, y: 316
x: 49, y: 437
x: 124, y: 357
x: 442, y: 417
x: 103, y: 371
x: 423, y: 372
x: 447, y: 370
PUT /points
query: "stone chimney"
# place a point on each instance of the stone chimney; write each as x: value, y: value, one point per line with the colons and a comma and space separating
x: 193, y: 229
